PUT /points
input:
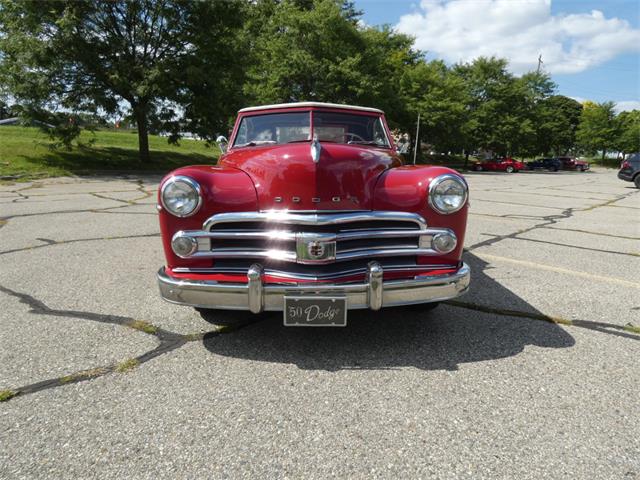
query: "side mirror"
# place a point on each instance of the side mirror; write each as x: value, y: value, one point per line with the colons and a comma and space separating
x: 222, y: 143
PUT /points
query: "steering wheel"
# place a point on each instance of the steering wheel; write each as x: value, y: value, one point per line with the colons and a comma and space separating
x: 355, y: 136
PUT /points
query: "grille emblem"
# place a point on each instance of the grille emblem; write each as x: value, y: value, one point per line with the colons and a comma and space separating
x: 315, y: 247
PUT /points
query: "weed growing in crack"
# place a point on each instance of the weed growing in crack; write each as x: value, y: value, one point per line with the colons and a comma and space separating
x: 83, y: 375
x: 143, y: 326
x: 7, y: 395
x: 127, y: 365
x: 629, y: 327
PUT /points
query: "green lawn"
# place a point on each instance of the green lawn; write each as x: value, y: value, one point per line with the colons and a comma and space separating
x: 25, y: 154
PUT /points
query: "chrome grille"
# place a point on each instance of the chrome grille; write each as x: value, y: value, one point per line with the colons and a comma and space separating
x: 281, y: 237
x: 274, y: 236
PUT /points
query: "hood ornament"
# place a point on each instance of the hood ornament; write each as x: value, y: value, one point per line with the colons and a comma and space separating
x: 316, y: 148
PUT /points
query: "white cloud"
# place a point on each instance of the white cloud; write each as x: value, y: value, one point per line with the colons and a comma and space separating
x: 461, y: 30
x: 627, y: 106
x: 621, y: 106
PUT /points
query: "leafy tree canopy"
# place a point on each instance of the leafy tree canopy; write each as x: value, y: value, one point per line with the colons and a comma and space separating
x: 144, y: 55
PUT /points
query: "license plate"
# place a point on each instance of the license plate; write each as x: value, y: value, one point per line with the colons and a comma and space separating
x: 315, y: 311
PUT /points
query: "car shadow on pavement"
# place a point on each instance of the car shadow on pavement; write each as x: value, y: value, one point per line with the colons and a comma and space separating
x: 440, y: 339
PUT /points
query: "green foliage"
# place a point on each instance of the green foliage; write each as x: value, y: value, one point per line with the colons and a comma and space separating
x: 629, y: 131
x: 304, y: 52
x: 598, y: 129
x: 441, y: 99
x: 558, y: 119
x: 502, y: 108
x: 177, y: 65
x: 152, y: 55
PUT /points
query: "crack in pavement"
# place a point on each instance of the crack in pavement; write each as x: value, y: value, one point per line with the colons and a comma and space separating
x: 625, y: 331
x: 553, y: 268
x: 593, y: 233
x: 50, y: 243
x: 145, y: 194
x: 168, y: 342
x: 578, y: 247
x: 126, y: 203
x: 546, y: 222
x: 516, y: 203
x: 577, y: 230
x: 87, y: 210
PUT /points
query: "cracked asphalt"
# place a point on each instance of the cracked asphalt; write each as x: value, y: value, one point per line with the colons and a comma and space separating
x: 532, y: 374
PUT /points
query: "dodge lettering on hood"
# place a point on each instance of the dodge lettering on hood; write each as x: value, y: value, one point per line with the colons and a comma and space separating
x: 310, y: 211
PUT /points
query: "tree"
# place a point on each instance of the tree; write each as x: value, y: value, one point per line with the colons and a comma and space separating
x: 558, y: 119
x: 598, y: 129
x: 440, y: 98
x: 629, y: 132
x: 6, y: 110
x: 304, y: 51
x: 388, y: 58
x: 101, y: 56
x: 501, y: 108
x: 315, y: 50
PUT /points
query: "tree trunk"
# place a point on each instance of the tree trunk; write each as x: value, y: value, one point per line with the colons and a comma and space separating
x: 140, y: 112
x: 604, y: 150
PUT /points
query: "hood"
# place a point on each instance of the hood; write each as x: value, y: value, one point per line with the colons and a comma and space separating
x: 286, y: 177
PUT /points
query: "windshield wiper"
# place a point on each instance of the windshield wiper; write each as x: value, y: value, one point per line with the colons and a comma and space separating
x: 299, y: 141
x: 253, y: 143
x: 364, y: 142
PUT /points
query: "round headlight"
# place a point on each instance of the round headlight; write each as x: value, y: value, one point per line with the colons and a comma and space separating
x: 181, y: 196
x: 183, y: 245
x: 447, y: 193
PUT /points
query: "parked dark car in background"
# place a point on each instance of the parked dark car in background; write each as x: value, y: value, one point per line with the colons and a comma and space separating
x: 551, y: 164
x: 630, y: 169
x: 572, y: 163
x: 505, y: 164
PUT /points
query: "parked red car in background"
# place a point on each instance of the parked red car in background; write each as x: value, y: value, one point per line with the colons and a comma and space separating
x: 505, y: 164
x: 571, y: 163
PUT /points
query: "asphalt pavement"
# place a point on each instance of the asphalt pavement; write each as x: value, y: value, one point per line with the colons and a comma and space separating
x: 532, y: 374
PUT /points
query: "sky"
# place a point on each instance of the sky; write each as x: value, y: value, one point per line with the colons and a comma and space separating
x: 590, y: 48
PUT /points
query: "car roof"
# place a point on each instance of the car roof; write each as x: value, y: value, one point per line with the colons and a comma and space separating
x: 309, y: 104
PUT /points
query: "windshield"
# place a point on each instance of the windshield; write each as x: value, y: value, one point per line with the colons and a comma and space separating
x: 349, y: 128
x: 279, y: 128
x: 273, y: 128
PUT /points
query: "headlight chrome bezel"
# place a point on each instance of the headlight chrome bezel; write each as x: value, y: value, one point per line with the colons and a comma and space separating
x: 436, y: 182
x: 191, y: 183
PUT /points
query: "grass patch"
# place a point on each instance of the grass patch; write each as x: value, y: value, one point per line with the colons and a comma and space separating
x: 25, y: 154
x: 143, y: 326
x: 127, y: 365
x: 192, y: 337
x: 84, y: 375
x: 7, y: 395
x: 632, y: 328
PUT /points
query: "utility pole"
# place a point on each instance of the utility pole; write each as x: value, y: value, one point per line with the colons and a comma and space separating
x: 415, y: 150
x: 540, y: 62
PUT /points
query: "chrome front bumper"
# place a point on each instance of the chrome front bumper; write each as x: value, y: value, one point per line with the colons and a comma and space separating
x: 255, y: 296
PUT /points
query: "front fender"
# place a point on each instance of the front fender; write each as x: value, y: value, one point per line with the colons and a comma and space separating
x: 224, y: 189
x: 407, y: 189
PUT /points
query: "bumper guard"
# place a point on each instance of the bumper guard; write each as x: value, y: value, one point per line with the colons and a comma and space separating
x: 255, y: 296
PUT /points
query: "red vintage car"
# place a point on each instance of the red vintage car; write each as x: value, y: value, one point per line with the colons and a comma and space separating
x: 506, y: 164
x: 310, y: 211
